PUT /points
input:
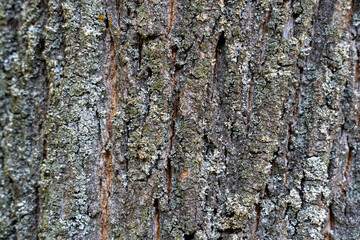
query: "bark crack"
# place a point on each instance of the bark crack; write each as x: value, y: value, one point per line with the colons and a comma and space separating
x: 157, y: 219
x: 218, y: 65
x: 42, y: 125
x: 173, y: 120
x: 105, y: 191
x: 349, y: 15
x: 297, y: 92
x: 171, y: 16
x: 140, y: 47
x: 257, y: 219
x: 262, y: 41
x: 349, y: 160
x: 357, y: 89
x: 249, y: 103
x: 330, y: 224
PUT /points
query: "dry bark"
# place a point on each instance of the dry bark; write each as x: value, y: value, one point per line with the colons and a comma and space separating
x: 179, y: 119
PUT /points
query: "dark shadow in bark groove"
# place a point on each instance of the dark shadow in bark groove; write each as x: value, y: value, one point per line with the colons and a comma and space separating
x: 157, y: 219
x: 257, y: 219
x: 189, y: 236
x: 140, y: 47
x: 219, y: 69
x: 331, y: 223
x: 176, y: 96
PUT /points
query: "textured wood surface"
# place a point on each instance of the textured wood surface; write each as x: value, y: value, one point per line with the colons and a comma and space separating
x: 179, y: 119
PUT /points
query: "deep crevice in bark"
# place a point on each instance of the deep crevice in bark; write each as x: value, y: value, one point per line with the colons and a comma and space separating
x: 140, y: 47
x: 357, y: 89
x: 190, y: 236
x: 157, y: 219
x: 219, y: 68
x: 223, y: 110
x: 113, y: 99
x: 176, y: 104
x: 330, y: 223
x: 256, y: 221
x: 349, y: 160
x: 171, y: 16
x: 263, y: 36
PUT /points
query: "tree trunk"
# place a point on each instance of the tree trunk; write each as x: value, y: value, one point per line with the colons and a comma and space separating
x: 179, y: 119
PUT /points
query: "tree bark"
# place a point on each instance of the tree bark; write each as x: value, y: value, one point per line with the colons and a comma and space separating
x: 179, y: 119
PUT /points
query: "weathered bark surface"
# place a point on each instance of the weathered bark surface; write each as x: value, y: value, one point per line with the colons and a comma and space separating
x: 179, y: 119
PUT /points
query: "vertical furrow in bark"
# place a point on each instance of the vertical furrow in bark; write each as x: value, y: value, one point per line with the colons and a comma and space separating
x: 263, y: 37
x: 262, y: 46
x: 330, y: 223
x: 297, y: 97
x: 256, y: 221
x: 349, y: 160
x: 171, y: 16
x: 357, y: 88
x: 246, y: 127
x: 176, y: 102
x: 44, y: 136
x: 107, y: 164
x: 157, y: 219
x: 219, y: 67
x: 249, y: 103
x: 140, y: 47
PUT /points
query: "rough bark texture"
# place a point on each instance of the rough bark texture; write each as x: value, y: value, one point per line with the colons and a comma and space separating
x: 179, y: 119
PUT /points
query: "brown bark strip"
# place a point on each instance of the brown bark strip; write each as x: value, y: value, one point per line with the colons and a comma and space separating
x: 348, y: 15
x: 107, y: 161
x: 171, y: 17
x: 330, y: 224
x: 257, y: 219
x: 317, y: 7
x: 285, y: 178
x: 185, y: 174
x: 249, y: 103
x: 106, y: 196
x: 348, y: 164
x: 119, y: 8
x: 331, y: 219
x: 113, y: 86
x: 157, y: 219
